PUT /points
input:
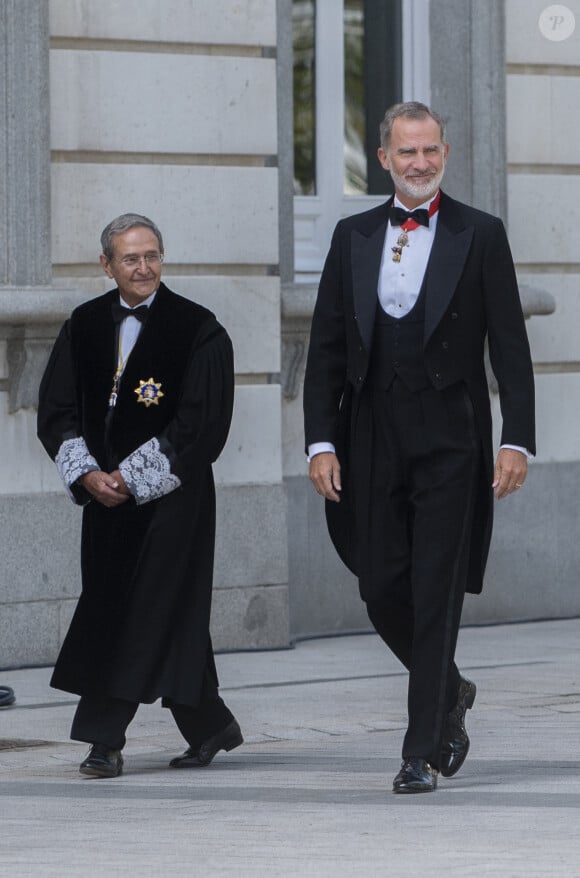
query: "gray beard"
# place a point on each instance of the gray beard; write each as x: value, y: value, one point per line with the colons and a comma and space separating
x: 427, y: 190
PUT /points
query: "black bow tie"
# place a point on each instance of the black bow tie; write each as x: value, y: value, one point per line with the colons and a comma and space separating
x: 398, y: 216
x: 120, y: 312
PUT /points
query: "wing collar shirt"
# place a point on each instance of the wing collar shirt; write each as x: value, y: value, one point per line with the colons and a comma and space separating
x: 400, y: 282
x: 130, y: 328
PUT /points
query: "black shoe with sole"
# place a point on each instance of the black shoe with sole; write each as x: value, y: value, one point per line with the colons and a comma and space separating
x: 416, y: 776
x: 455, y: 742
x: 227, y: 739
x: 102, y: 762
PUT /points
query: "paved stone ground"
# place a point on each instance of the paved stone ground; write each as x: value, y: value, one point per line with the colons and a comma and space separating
x: 309, y: 792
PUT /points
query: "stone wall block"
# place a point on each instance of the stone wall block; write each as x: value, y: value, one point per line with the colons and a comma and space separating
x: 538, y: 234
x: 212, y: 120
x: 555, y: 340
x: 535, y: 553
x: 252, y: 453
x: 525, y: 43
x: 550, y: 135
x: 212, y: 215
x: 40, y: 539
x: 29, y: 634
x: 243, y: 22
x: 250, y: 618
x: 251, y: 536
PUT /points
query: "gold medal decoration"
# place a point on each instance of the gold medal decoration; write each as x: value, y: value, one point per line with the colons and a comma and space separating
x: 402, y: 241
x: 149, y: 392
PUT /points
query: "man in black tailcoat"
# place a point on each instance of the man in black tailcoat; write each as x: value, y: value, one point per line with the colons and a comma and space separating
x: 135, y: 406
x: 398, y: 421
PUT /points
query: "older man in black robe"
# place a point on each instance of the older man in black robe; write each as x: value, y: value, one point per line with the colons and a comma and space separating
x: 135, y: 406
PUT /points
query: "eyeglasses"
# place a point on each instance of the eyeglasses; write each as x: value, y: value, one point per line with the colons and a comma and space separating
x: 150, y: 259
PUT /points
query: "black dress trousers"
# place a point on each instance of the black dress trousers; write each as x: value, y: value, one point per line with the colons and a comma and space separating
x: 104, y: 720
x: 425, y: 456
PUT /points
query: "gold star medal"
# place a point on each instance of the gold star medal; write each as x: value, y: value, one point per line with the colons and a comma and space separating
x: 149, y: 392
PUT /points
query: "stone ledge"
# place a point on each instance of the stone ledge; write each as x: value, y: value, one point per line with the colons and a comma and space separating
x: 536, y: 300
x: 29, y: 320
x: 25, y: 305
x: 37, y: 305
x: 298, y: 301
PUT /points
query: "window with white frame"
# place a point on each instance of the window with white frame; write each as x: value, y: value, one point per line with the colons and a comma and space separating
x: 352, y: 59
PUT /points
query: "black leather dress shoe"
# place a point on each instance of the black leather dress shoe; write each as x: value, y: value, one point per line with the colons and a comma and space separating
x: 455, y: 742
x: 7, y: 696
x: 415, y: 776
x: 102, y: 762
x: 227, y: 739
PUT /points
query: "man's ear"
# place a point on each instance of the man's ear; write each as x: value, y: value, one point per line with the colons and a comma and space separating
x: 105, y: 265
x: 383, y: 158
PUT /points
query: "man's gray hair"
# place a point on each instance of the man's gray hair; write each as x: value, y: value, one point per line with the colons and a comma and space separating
x: 411, y: 110
x: 122, y: 224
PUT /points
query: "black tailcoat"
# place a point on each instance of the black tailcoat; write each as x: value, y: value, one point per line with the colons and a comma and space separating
x: 141, y: 627
x: 471, y: 297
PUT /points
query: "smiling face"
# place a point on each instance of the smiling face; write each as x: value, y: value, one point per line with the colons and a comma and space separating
x: 136, y: 264
x: 416, y: 157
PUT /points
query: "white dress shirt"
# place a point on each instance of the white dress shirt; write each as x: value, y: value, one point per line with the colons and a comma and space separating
x: 400, y: 282
x: 129, y: 330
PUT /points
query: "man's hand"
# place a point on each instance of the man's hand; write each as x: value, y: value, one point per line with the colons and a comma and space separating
x: 109, y: 489
x: 510, y: 472
x: 123, y: 489
x: 325, y: 475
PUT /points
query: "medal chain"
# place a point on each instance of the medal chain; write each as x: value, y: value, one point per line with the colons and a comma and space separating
x: 117, y: 377
x: 408, y: 226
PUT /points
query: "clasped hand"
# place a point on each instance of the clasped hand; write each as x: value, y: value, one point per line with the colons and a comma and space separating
x: 109, y: 489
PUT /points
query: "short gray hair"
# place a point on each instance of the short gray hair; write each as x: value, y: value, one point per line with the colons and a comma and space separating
x: 122, y: 224
x: 411, y: 110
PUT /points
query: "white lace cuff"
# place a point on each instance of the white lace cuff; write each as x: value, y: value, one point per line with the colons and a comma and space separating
x: 147, y: 473
x: 74, y: 460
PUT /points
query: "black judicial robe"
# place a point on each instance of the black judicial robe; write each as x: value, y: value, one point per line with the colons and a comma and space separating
x: 141, y: 626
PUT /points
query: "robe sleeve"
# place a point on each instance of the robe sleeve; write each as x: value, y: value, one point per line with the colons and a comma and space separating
x: 195, y: 436
x: 58, y: 419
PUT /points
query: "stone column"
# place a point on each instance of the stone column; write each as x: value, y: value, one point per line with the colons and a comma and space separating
x: 469, y: 92
x: 24, y: 144
x: 30, y: 308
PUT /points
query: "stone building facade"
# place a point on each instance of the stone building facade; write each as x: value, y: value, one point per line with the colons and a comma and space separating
x: 183, y: 110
